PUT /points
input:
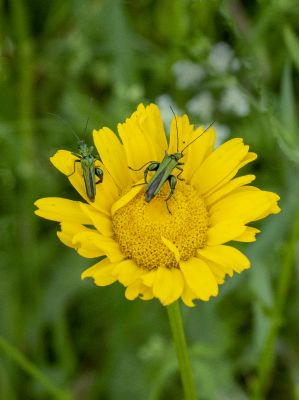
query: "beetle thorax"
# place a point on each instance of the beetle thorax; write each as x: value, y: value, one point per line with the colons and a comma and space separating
x: 176, y: 156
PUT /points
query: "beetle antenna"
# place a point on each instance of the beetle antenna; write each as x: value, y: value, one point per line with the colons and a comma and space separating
x: 88, y: 118
x: 198, y: 136
x: 177, y: 130
x: 67, y: 123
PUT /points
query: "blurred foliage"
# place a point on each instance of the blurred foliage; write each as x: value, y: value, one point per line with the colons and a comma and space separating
x: 233, y: 61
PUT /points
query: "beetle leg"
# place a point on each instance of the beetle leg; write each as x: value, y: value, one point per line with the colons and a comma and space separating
x: 99, y: 173
x: 76, y: 154
x: 149, y: 162
x: 74, y: 168
x: 152, y: 167
x: 178, y: 175
x: 139, y: 184
x: 172, y: 180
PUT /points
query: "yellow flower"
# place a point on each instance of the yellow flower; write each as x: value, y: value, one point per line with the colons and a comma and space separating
x: 152, y: 252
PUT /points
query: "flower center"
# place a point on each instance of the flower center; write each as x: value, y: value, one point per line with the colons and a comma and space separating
x: 140, y: 226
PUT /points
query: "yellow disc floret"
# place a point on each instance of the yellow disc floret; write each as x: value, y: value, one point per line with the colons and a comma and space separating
x: 141, y: 228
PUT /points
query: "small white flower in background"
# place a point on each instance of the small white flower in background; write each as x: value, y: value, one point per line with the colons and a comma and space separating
x: 187, y: 74
x: 221, y: 57
x: 233, y: 100
x: 165, y: 103
x: 223, y: 132
x: 236, y: 64
x: 201, y: 105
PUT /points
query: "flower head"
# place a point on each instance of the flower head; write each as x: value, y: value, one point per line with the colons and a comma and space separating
x: 156, y: 249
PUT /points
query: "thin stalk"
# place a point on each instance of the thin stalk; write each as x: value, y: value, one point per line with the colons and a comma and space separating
x: 181, y: 348
x: 24, y: 117
x: 32, y: 370
x: 284, y: 281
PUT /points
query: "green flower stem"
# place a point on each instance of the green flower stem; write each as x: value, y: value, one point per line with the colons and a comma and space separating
x: 32, y: 370
x: 181, y: 348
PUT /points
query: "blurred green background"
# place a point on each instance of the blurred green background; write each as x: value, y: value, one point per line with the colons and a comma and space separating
x: 233, y: 61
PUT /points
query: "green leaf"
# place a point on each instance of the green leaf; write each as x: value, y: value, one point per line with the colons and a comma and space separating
x: 292, y: 44
x: 287, y: 98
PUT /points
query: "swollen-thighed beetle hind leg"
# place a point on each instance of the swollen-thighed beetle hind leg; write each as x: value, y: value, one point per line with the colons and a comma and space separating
x: 152, y: 167
x: 100, y: 174
x: 74, y: 168
x: 172, y: 180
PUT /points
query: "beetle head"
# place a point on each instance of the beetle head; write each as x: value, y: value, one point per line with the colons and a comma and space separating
x: 176, y: 156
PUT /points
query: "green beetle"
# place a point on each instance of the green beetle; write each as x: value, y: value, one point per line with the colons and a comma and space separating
x: 163, y: 170
x: 90, y: 171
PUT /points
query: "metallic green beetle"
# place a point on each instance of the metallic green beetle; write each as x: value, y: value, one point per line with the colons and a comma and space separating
x: 90, y: 171
x: 164, y: 171
x: 87, y: 160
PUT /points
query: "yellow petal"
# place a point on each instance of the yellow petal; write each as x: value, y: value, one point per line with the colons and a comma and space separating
x: 249, y: 235
x: 143, y: 138
x: 247, y: 159
x: 89, y: 250
x: 245, y: 204
x: 198, y: 151
x: 216, y: 169
x: 273, y: 199
x: 172, y: 248
x: 168, y: 285
x: 102, y: 222
x: 177, y: 283
x: 149, y: 278
x: 86, y: 247
x: 146, y: 293
x: 224, y: 231
x: 199, y: 278
x: 180, y: 133
x: 132, y: 291
x: 228, y: 188
x: 162, y: 288
x: 127, y: 197
x: 59, y: 209
x: 226, y: 256
x: 137, y: 289
x: 68, y: 231
x: 101, y: 273
x: 65, y: 239
x: 106, y: 244
x: 110, y: 248
x: 64, y: 161
x: 188, y: 296
x: 113, y: 156
x: 107, y: 193
x: 219, y: 271
x: 127, y: 272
